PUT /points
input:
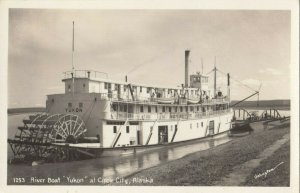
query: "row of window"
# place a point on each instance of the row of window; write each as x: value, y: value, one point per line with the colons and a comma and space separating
x: 197, y: 79
x: 134, y: 88
x: 115, y: 129
x: 191, y: 125
x: 169, y: 109
x: 149, y: 109
x: 121, y: 122
x: 80, y: 105
x: 128, y: 128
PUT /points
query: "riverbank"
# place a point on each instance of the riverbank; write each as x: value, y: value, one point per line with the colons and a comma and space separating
x: 210, y: 167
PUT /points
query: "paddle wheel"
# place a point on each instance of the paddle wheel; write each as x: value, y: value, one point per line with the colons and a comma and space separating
x: 34, y: 140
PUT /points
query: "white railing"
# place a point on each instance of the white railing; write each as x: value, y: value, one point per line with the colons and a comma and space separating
x: 85, y: 74
x: 165, y: 116
x: 148, y: 100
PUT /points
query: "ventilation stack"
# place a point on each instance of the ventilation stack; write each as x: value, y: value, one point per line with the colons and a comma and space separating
x: 187, y: 55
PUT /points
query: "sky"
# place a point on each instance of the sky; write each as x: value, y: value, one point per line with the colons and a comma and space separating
x: 148, y: 46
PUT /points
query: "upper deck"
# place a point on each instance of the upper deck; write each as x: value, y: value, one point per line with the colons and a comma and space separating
x: 88, y: 81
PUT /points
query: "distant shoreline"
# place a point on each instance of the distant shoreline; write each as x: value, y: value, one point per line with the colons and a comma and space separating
x: 264, y: 104
x: 263, y: 108
x: 15, y: 111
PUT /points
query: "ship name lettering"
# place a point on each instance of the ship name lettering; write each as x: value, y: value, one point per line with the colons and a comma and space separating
x: 75, y: 180
x: 72, y: 110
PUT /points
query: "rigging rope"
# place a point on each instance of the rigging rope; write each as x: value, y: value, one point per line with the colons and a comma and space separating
x: 237, y: 81
x: 149, y: 61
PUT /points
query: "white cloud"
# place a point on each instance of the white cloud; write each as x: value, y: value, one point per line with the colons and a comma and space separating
x: 251, y: 82
x: 270, y: 71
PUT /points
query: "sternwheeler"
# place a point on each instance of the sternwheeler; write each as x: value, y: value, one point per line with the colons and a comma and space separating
x: 96, y: 116
x: 100, y: 117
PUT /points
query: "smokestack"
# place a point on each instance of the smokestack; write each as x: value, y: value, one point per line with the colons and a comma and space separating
x: 187, y: 55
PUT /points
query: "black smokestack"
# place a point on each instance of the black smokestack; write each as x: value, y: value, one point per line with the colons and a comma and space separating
x: 187, y: 55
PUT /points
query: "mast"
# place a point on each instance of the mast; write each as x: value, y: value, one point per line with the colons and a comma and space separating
x: 228, y: 87
x: 73, y: 69
x: 215, y: 79
x: 202, y: 66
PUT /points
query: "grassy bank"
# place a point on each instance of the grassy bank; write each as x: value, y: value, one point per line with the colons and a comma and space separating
x: 276, y: 169
x: 207, y: 167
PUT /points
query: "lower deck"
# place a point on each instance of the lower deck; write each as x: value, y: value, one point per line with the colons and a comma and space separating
x: 133, y: 133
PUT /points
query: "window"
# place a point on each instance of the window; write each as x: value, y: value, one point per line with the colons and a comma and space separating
x: 197, y: 108
x: 125, y: 108
x: 69, y: 88
x: 176, y: 109
x: 127, y: 129
x: 115, y: 129
x: 116, y: 87
x: 141, y: 89
x: 192, y: 108
x: 114, y: 107
x: 149, y: 109
x: 141, y: 109
x: 186, y: 108
x: 201, y: 124
x: 148, y: 90
x: 80, y: 105
x: 105, y: 85
x: 180, y: 109
x: 156, y: 109
x: 121, y: 107
x: 69, y: 105
x: 109, y: 86
x: 170, y: 109
x: 124, y: 87
x: 83, y: 85
x: 163, y: 109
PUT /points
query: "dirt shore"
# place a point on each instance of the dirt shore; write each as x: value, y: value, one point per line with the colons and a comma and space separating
x: 208, y: 168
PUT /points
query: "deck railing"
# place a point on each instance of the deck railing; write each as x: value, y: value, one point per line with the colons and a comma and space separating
x: 166, y: 116
x: 149, y: 100
x: 85, y: 74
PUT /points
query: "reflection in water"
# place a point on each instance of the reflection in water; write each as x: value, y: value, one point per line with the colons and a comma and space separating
x: 111, y: 167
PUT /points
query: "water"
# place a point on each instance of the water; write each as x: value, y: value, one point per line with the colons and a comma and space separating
x: 111, y: 167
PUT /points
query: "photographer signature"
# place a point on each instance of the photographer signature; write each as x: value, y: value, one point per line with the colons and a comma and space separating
x: 264, y: 174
